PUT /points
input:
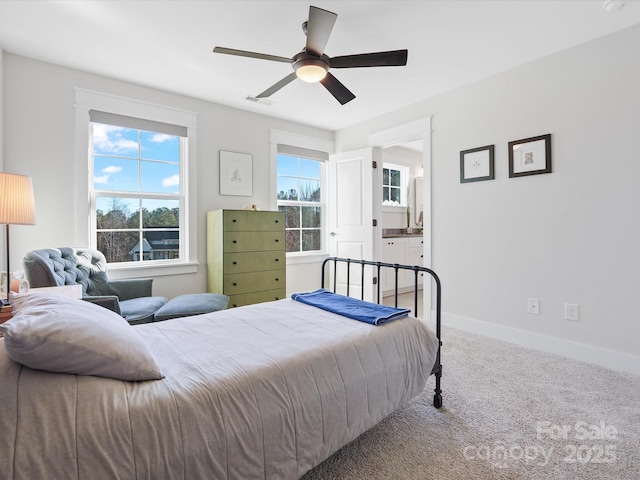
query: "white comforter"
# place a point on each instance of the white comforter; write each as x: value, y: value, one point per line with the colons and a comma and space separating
x: 264, y: 391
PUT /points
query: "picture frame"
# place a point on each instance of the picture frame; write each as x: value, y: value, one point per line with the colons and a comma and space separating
x: 477, y: 164
x: 530, y: 156
x: 236, y: 174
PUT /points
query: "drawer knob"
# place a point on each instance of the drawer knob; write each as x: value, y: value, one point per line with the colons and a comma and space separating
x: 277, y: 298
x: 277, y: 221
x: 277, y: 240
x: 235, y: 284
x: 234, y: 220
x: 277, y: 259
x: 277, y: 279
x: 235, y: 263
x: 234, y: 305
x: 235, y: 241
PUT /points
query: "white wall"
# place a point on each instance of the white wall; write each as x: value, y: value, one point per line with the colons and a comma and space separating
x: 39, y: 131
x: 570, y: 236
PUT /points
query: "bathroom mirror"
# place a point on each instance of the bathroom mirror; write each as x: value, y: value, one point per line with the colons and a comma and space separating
x: 418, y: 199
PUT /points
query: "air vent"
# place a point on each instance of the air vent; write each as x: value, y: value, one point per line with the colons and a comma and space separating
x: 262, y: 101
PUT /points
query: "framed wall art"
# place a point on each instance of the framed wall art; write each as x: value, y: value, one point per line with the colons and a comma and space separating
x: 530, y: 156
x: 476, y: 164
x: 236, y: 174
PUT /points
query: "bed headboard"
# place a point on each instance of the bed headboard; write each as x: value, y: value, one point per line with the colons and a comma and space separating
x: 330, y: 265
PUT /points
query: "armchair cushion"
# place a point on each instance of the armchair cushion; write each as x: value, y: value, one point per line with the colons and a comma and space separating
x: 191, y: 304
x: 141, y: 310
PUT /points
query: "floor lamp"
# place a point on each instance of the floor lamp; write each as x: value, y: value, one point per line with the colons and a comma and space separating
x: 17, y: 207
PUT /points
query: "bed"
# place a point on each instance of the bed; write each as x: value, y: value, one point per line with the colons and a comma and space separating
x: 262, y: 391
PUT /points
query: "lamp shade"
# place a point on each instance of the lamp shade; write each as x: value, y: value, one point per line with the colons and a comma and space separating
x: 17, y: 205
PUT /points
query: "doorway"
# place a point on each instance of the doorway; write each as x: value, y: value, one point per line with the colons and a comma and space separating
x: 413, y: 137
x: 400, y: 233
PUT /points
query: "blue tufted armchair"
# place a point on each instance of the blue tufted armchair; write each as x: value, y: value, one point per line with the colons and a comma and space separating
x: 130, y: 298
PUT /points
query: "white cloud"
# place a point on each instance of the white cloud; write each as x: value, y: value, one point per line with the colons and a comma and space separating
x: 108, y: 139
x: 104, y: 179
x: 171, y: 181
x: 162, y: 137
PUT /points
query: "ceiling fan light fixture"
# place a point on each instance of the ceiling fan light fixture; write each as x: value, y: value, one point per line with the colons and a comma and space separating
x: 311, y: 73
x: 310, y: 69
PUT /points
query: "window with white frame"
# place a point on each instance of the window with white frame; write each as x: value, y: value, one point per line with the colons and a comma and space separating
x: 300, y: 195
x: 395, y: 183
x: 137, y: 188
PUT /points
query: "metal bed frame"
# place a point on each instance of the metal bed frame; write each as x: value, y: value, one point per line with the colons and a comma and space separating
x: 437, y: 367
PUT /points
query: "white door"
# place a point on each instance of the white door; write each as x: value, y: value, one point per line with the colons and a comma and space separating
x: 350, y: 217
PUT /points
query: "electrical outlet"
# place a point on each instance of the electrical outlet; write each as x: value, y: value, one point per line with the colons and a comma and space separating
x: 533, y: 306
x: 571, y: 312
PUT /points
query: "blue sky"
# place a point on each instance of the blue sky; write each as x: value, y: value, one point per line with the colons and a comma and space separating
x: 129, y: 160
x: 290, y: 168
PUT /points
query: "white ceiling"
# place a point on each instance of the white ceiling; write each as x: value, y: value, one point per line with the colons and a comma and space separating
x: 168, y: 45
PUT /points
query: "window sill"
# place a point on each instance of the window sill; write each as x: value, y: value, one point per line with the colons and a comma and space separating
x: 136, y: 271
x: 394, y: 208
x: 297, y: 258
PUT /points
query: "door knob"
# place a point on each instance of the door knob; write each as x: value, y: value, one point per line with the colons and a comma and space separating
x: 333, y: 234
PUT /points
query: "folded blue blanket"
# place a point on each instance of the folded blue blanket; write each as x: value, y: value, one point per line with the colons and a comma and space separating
x: 351, y: 307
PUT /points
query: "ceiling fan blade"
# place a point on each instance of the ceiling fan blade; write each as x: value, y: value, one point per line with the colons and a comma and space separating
x: 337, y: 89
x: 244, y: 53
x: 277, y: 86
x: 319, y: 28
x: 394, y: 58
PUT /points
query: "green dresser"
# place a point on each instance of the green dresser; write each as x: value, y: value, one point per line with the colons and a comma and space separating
x: 246, y: 257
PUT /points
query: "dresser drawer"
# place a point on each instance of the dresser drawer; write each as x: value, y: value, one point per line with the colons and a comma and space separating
x: 257, y: 297
x: 254, y: 261
x: 249, y: 221
x: 254, y: 281
x: 253, y: 241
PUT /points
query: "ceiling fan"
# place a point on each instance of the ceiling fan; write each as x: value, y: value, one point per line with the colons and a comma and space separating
x: 312, y: 65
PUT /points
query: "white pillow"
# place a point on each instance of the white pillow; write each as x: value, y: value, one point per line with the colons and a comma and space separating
x: 61, y: 334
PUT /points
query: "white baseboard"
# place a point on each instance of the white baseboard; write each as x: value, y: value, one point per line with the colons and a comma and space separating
x: 620, y: 361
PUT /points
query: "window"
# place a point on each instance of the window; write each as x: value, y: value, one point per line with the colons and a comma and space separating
x: 394, y: 185
x: 137, y: 188
x: 299, y: 184
x: 391, y: 192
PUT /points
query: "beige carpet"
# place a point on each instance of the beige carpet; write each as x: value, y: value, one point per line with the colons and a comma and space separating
x: 509, y: 413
